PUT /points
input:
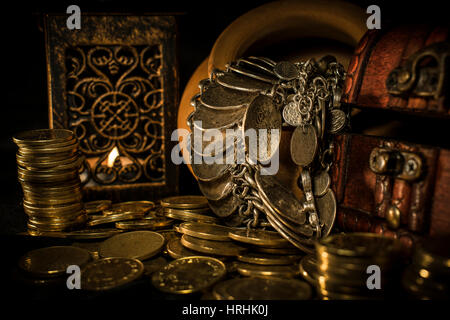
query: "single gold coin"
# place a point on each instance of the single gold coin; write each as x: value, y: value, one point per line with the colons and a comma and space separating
x: 185, y: 202
x: 262, y: 289
x: 109, y: 273
x: 308, y: 269
x: 205, y: 231
x: 188, y: 275
x: 254, y: 270
x: 139, y: 245
x: 176, y: 250
x: 144, y: 224
x: 189, y: 216
x: 259, y: 237
x: 97, y: 206
x: 133, y: 206
x: 53, y: 261
x: 268, y: 259
x: 219, y: 248
x: 43, y: 137
x: 95, y: 220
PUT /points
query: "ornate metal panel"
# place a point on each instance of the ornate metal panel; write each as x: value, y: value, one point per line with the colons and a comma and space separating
x: 114, y: 83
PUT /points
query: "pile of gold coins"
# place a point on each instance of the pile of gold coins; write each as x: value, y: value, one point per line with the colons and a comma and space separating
x: 428, y: 277
x: 48, y: 164
x: 188, y: 208
x: 357, y: 266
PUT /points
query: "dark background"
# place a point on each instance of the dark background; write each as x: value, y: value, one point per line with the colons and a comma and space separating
x: 23, y: 67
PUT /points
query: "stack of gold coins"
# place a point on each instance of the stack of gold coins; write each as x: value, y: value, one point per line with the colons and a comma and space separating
x: 428, y: 277
x: 357, y: 266
x: 48, y: 163
x: 188, y: 208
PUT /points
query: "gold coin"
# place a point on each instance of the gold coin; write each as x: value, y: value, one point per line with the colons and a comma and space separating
x: 49, y: 151
x: 262, y: 289
x: 357, y: 245
x: 205, y: 231
x: 139, y: 245
x: 219, y: 248
x: 254, y: 270
x: 267, y: 259
x: 53, y: 261
x: 185, y: 202
x: 43, y: 137
x: 176, y: 250
x: 188, y: 275
x: 259, y: 237
x: 109, y: 273
x: 308, y: 268
x: 90, y: 234
x: 133, y: 206
x: 97, y: 206
x: 98, y: 220
x: 189, y: 216
x: 288, y: 250
x: 144, y: 224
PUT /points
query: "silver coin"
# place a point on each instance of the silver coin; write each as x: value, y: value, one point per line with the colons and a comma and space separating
x: 326, y: 207
x: 235, y: 81
x: 224, y: 207
x: 304, y: 145
x: 286, y: 70
x: 209, y: 172
x: 252, y: 74
x: 216, y: 189
x: 262, y: 115
x: 216, y: 119
x: 292, y: 115
x: 281, y: 199
x: 216, y: 96
x: 338, y: 120
x: 321, y: 183
x: 257, y: 65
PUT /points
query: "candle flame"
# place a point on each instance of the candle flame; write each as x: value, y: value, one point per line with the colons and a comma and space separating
x: 112, y: 157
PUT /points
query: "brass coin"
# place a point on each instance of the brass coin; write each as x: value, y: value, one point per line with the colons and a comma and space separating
x: 237, y: 82
x: 267, y: 259
x: 188, y: 275
x: 144, y: 224
x: 51, y: 202
x: 139, y: 245
x: 43, y: 137
x: 326, y: 208
x: 217, y: 189
x: 259, y: 237
x: 321, y: 183
x: 53, y: 261
x: 262, y: 116
x: 338, y: 120
x: 221, y: 98
x: 304, y: 145
x: 97, y: 206
x: 281, y: 199
x: 219, y: 248
x: 224, y: 207
x: 242, y: 70
x: 286, y: 70
x: 358, y: 244
x: 254, y: 270
x: 205, y: 231
x: 262, y: 289
x: 308, y: 269
x: 49, y: 151
x: 100, y: 219
x: 185, y: 202
x: 109, y: 273
x: 72, y: 165
x: 189, y: 216
x: 176, y: 250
